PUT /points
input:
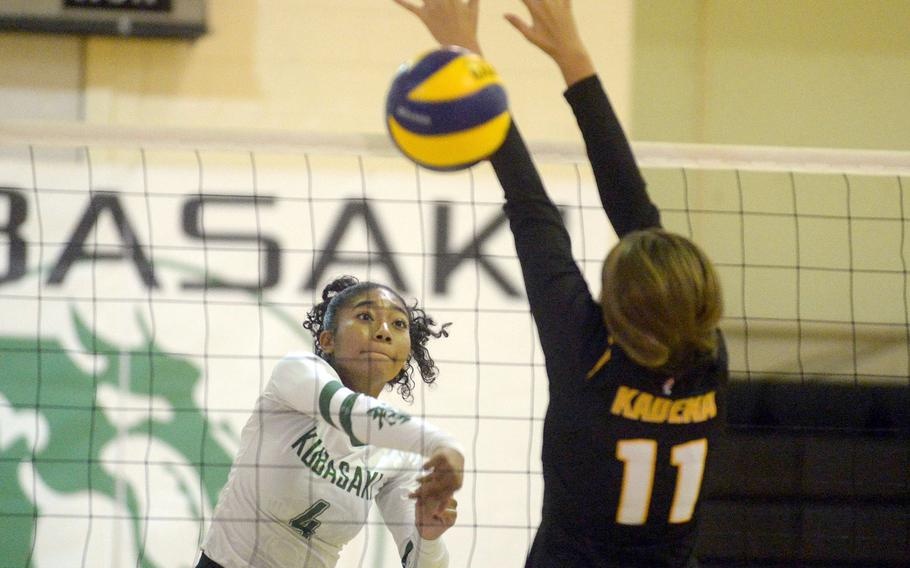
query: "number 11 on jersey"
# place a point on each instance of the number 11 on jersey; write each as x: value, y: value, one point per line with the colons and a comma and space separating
x: 639, y: 459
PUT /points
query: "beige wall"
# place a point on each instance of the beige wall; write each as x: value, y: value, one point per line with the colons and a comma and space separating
x: 766, y: 72
x: 825, y: 73
x: 41, y: 77
x: 319, y: 66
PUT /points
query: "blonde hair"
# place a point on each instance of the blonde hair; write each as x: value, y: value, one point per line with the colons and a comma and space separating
x: 661, y: 300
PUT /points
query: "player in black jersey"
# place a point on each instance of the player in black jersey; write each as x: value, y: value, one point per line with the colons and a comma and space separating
x: 635, y: 376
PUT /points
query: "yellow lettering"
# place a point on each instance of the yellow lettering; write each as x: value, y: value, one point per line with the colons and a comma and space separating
x: 694, y: 411
x: 676, y: 411
x: 636, y: 405
x: 481, y: 70
x: 709, y: 406
x: 642, y: 405
x: 659, y: 410
x: 622, y: 403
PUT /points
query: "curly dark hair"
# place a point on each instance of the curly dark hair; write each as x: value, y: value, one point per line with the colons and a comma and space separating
x: 421, y: 327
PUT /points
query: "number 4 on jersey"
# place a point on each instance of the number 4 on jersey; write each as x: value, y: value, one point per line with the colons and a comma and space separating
x: 305, y: 523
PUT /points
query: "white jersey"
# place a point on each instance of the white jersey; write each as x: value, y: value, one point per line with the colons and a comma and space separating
x: 313, y: 457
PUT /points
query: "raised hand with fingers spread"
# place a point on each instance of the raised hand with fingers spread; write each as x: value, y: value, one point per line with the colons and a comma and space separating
x: 451, y: 22
x: 553, y: 30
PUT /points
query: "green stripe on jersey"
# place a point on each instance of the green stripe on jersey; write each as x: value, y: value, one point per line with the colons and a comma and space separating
x: 407, y: 552
x: 345, y: 415
x: 325, y: 398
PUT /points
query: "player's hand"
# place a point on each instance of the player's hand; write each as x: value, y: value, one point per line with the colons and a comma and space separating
x: 451, y: 22
x: 430, y: 523
x: 552, y: 26
x: 554, y: 31
x: 445, y: 475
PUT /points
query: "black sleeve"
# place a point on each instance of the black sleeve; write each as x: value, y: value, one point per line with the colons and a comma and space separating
x: 567, y: 317
x: 621, y: 186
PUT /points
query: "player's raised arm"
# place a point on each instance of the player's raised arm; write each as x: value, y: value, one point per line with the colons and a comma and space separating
x: 553, y: 30
x: 555, y: 287
x: 650, y: 341
x: 450, y: 23
x: 622, y: 189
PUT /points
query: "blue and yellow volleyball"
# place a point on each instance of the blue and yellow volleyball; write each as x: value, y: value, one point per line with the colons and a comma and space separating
x: 447, y: 110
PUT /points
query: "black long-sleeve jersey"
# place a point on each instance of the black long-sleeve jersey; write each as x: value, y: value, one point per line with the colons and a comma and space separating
x: 624, y: 447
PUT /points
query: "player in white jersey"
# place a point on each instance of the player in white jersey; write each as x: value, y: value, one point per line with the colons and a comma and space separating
x: 320, y: 448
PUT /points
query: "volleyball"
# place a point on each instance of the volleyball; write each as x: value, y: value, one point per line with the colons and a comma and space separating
x: 447, y: 109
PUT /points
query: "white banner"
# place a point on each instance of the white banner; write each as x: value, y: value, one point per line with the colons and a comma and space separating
x: 147, y: 294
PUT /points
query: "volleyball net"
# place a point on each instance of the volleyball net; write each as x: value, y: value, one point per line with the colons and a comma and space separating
x: 150, y: 281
